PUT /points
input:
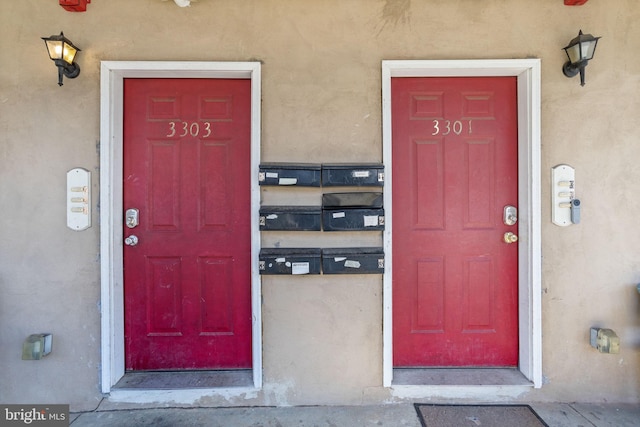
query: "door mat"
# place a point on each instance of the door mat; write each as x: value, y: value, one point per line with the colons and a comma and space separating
x: 478, y: 415
x: 158, y: 380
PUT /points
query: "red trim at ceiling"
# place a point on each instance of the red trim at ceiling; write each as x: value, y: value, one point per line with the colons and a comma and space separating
x: 74, y: 5
x: 575, y: 2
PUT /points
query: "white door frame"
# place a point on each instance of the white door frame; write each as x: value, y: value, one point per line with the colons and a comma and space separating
x: 112, y: 78
x: 527, y: 72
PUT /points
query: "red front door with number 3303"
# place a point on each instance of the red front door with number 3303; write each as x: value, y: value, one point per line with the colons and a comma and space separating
x: 187, y: 274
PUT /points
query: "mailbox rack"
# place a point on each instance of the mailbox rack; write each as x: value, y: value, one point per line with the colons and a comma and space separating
x: 345, y: 211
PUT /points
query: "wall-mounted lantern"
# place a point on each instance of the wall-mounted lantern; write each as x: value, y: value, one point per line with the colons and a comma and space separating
x: 580, y: 51
x: 63, y: 52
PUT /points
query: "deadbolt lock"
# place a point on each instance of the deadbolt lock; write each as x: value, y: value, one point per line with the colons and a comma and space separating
x: 132, y: 218
x: 510, y: 216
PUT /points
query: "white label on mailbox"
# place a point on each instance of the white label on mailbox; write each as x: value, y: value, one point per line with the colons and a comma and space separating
x: 287, y: 181
x: 272, y: 174
x: 339, y: 258
x: 352, y: 263
x: 272, y: 216
x: 371, y: 220
x: 283, y: 259
x: 338, y: 215
x: 300, y: 268
x: 360, y: 174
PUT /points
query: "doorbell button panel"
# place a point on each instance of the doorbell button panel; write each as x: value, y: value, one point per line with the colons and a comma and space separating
x: 563, y: 193
x: 78, y: 199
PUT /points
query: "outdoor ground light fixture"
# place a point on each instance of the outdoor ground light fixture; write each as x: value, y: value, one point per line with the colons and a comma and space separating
x: 579, y: 51
x: 62, y: 52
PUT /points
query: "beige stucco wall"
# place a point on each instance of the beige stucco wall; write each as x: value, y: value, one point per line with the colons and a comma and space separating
x: 322, y: 101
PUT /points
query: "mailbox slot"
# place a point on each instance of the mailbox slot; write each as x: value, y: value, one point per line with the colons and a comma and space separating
x: 352, y: 200
x: 290, y: 261
x: 353, y: 174
x: 353, y: 261
x: 290, y: 174
x: 352, y: 211
x: 297, y: 218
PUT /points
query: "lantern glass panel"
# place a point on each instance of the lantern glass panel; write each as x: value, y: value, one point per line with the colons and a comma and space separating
x: 588, y: 49
x: 573, y: 52
x: 69, y: 53
x: 55, y: 49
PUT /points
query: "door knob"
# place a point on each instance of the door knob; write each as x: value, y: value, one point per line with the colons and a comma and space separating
x: 509, y: 237
x: 131, y: 240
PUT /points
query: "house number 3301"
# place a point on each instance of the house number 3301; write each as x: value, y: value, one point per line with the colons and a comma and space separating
x: 181, y: 129
x: 445, y: 127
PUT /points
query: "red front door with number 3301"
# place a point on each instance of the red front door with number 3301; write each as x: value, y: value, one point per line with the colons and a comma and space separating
x: 455, y: 274
x: 187, y: 271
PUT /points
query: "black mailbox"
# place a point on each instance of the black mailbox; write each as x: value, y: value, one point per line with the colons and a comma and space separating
x: 302, y: 218
x: 290, y: 261
x: 353, y: 174
x: 353, y: 261
x: 352, y: 211
x: 301, y: 174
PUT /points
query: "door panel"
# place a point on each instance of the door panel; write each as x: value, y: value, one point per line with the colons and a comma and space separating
x: 187, y: 169
x: 455, y: 168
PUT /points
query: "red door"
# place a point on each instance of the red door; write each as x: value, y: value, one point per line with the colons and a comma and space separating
x: 454, y: 171
x: 187, y: 171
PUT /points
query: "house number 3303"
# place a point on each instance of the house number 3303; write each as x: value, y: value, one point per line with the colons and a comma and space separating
x: 445, y: 127
x: 181, y: 129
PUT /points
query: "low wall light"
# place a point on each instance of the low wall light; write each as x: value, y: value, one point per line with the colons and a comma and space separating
x: 36, y: 346
x: 62, y: 52
x: 580, y: 51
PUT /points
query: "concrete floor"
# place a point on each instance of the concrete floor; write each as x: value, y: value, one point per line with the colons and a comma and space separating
x: 392, y: 415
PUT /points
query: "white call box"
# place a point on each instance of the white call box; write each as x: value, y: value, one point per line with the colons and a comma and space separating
x: 563, y: 192
x: 78, y: 199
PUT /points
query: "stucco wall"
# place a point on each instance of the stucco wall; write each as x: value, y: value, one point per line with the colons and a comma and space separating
x: 321, y: 100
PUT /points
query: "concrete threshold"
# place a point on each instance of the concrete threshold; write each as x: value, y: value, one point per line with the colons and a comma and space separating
x: 481, y: 385
x: 167, y: 380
